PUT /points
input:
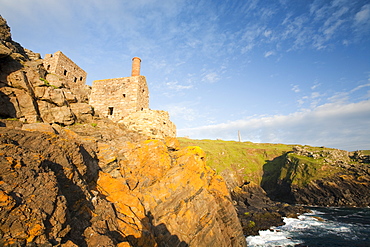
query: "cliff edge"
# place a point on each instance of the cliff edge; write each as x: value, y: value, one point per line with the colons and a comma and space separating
x: 71, y: 190
x: 70, y: 179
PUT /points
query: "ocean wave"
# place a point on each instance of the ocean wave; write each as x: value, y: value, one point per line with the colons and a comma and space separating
x: 318, y: 228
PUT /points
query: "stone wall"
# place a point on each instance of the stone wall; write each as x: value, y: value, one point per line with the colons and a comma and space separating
x: 119, y: 97
x: 61, y: 65
x: 153, y: 123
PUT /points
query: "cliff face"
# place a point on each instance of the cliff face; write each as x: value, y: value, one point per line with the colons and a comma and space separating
x: 296, y: 174
x: 320, y: 177
x: 262, y: 177
x: 29, y: 93
x: 76, y: 190
x: 96, y: 183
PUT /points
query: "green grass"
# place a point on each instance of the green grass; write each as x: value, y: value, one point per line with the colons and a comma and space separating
x: 245, y: 157
x: 47, y: 83
x: 265, y: 163
x: 300, y: 170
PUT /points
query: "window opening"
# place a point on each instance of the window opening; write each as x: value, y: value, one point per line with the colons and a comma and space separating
x: 75, y: 79
x: 65, y: 72
x: 124, y: 95
x: 48, y: 67
x: 81, y: 78
x: 110, y: 111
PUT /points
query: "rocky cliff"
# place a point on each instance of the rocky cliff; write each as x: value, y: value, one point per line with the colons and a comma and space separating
x: 95, y: 182
x: 319, y: 177
x: 69, y: 189
x: 29, y: 93
x: 262, y: 177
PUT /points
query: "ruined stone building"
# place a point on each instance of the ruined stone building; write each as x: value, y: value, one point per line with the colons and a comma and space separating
x: 126, y: 101
x: 119, y: 97
x: 61, y: 65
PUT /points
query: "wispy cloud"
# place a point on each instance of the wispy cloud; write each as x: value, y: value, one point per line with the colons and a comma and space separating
x: 363, y: 15
x: 360, y: 87
x: 328, y: 125
x: 295, y: 88
x: 269, y: 53
x: 210, y: 77
x: 315, y: 85
x: 174, y: 85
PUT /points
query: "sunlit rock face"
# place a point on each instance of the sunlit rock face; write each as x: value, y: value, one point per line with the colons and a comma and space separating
x: 59, y: 187
x: 32, y: 93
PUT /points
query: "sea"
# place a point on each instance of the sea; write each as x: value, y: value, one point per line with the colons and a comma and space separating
x: 349, y: 227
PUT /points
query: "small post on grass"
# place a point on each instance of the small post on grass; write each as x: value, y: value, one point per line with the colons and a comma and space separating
x: 239, y: 136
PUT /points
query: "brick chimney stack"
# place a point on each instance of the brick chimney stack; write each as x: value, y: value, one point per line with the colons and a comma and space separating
x: 135, y: 66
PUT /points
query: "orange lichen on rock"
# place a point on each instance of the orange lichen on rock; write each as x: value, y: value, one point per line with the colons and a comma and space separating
x: 164, y: 190
x: 34, y: 230
x: 131, y: 211
x: 145, y: 163
x: 6, y: 201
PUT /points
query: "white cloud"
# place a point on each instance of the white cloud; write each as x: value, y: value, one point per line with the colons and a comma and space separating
x: 315, y: 85
x: 363, y: 15
x: 174, y: 85
x: 333, y: 125
x: 211, y: 77
x: 360, y: 86
x: 267, y: 33
x: 296, y: 89
x: 247, y: 48
x: 269, y: 53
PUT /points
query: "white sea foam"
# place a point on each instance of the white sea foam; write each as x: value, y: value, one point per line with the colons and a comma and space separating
x: 273, y: 237
x: 306, y: 225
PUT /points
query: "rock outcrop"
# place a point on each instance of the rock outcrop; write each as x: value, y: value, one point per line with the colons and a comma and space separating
x: 73, y: 189
x: 257, y: 211
x: 264, y: 178
x: 26, y: 92
x: 96, y: 182
x: 320, y: 177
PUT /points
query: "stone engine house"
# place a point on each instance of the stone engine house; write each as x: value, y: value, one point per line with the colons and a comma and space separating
x: 61, y: 65
x: 126, y: 101
x: 119, y: 97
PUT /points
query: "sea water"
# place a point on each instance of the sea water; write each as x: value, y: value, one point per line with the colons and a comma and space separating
x: 322, y: 227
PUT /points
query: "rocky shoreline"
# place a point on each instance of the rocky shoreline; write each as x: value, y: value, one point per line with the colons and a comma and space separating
x: 70, y: 178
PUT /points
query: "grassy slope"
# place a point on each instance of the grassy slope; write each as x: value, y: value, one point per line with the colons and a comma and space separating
x: 246, y: 156
x: 270, y: 162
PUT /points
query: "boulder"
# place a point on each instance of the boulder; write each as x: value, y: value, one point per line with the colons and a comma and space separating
x: 4, y: 51
x: 17, y: 103
x: 51, y: 113
x: 83, y: 111
x: 51, y: 95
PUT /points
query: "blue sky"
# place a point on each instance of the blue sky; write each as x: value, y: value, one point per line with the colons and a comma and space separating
x: 294, y: 72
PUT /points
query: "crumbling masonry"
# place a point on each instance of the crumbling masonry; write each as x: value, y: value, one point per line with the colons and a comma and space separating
x: 61, y: 65
x: 126, y: 101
